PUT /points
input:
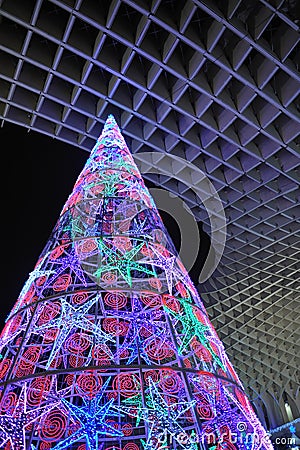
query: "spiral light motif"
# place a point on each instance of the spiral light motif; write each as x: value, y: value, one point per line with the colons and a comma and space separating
x: 115, y: 327
x: 115, y: 300
x: 62, y: 282
x: 127, y: 384
x: 89, y: 383
x: 79, y: 297
x: 38, y: 389
x: 9, y: 402
x: 78, y: 343
x: 53, y: 426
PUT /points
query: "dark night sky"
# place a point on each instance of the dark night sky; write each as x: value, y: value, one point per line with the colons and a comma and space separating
x: 38, y: 174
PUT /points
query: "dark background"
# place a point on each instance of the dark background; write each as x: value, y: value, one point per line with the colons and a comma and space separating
x: 38, y: 174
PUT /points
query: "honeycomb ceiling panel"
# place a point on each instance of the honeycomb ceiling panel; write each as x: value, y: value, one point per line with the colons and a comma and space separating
x: 211, y: 82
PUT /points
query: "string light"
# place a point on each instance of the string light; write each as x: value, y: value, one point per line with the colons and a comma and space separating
x: 109, y: 345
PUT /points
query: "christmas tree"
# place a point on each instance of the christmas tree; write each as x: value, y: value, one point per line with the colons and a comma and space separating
x: 109, y: 345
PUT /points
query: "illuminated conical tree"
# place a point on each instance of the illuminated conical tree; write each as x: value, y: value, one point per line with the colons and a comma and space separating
x: 108, y: 345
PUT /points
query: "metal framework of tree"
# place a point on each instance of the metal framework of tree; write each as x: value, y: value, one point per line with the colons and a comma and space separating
x: 109, y: 345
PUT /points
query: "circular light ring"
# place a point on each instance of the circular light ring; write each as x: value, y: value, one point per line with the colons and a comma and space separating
x: 208, y: 382
x: 8, y: 402
x: 112, y: 423
x: 107, y: 227
x: 144, y: 332
x: 187, y: 363
x: 203, y: 407
x: 124, y: 353
x: 28, y: 295
x: 62, y: 282
x: 70, y: 379
x: 4, y: 367
x: 159, y: 350
x: 146, y: 251
x: 37, y: 389
x: 81, y: 447
x: 115, y: 326
x: 151, y: 299
x: 115, y: 299
x: 79, y: 297
x: 131, y: 446
x: 122, y: 243
x: 45, y: 445
x: 202, y: 352
x: 78, y: 343
x: 153, y: 374
x: 103, y: 362
x: 15, y: 323
x: 76, y: 360
x: 101, y: 351
x: 200, y: 315
x: 214, y: 348
x: 96, y: 189
x: 155, y: 283
x: 109, y: 278
x: 49, y: 312
x: 50, y: 335
x: 53, y: 426
x: 170, y: 381
x: 111, y: 395
x: 128, y: 384
x: 29, y: 359
x: 127, y: 430
x: 56, y: 362
x: 90, y: 383
x: 87, y: 246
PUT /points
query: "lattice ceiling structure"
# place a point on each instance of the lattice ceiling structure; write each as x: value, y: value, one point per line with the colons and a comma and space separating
x: 215, y: 83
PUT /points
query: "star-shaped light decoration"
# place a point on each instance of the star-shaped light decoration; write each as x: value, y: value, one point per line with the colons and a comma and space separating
x: 138, y: 318
x: 140, y: 228
x: 86, y: 223
x: 109, y: 181
x: 75, y: 226
x: 169, y: 265
x: 137, y: 401
x: 163, y: 418
x: 12, y: 427
x: 56, y: 394
x: 69, y: 319
x: 92, y: 417
x: 191, y: 328
x: 36, y: 273
x: 71, y: 263
x: 122, y: 262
